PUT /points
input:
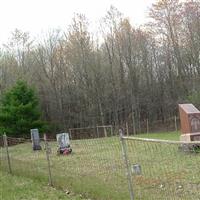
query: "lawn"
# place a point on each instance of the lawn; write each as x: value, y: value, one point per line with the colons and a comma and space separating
x: 96, y: 168
x: 21, y: 188
x: 163, y: 136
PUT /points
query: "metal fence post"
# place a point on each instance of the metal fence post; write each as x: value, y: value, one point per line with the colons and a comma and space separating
x: 48, y: 160
x: 5, y: 142
x: 125, y: 157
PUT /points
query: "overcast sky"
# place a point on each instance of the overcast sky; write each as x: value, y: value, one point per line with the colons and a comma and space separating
x: 37, y: 16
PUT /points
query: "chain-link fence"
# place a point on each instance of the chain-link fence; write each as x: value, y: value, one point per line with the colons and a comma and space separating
x: 110, y: 168
x: 163, y: 169
x: 94, y: 168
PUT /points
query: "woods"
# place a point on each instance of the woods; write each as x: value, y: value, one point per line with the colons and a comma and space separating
x: 125, y: 74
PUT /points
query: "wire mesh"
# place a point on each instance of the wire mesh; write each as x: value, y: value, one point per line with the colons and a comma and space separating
x: 164, y: 170
x: 24, y: 161
x: 94, y: 169
x: 91, y: 132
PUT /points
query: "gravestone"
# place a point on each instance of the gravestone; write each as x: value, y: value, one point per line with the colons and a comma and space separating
x: 190, y: 122
x: 64, y: 144
x: 35, y: 137
x: 63, y: 140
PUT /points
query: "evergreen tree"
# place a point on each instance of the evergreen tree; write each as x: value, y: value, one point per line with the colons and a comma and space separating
x: 19, y: 111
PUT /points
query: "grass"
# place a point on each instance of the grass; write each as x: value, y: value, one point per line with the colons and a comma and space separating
x: 175, y: 136
x: 21, y: 188
x: 96, y: 168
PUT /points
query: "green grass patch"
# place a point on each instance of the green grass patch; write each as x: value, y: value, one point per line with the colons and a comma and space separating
x: 21, y: 188
x: 175, y: 136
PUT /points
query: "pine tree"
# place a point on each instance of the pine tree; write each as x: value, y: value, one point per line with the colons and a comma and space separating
x: 19, y: 111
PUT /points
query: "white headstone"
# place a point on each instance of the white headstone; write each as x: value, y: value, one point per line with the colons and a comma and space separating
x: 63, y: 139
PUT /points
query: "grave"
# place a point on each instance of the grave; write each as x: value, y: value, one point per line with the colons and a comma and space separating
x: 190, y: 122
x: 35, y: 138
x: 63, y: 143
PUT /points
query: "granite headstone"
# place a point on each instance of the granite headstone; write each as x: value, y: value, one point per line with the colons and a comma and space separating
x: 190, y: 122
x: 35, y: 137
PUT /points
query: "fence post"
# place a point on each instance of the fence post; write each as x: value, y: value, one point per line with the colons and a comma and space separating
x: 147, y: 125
x: 127, y: 131
x: 48, y: 160
x: 133, y: 121
x: 175, y: 123
x: 70, y: 133
x: 125, y: 157
x: 97, y: 131
x: 112, y: 130
x: 5, y: 142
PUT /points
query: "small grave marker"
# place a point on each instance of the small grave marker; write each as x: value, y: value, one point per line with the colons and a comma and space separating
x: 136, y: 169
x: 35, y: 139
x: 63, y: 139
x: 64, y: 143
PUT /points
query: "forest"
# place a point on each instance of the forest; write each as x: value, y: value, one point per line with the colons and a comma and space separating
x: 120, y: 74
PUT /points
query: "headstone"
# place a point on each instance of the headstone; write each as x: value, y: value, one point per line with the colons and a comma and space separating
x: 63, y: 140
x: 35, y: 139
x: 64, y: 144
x: 136, y: 169
x: 190, y: 122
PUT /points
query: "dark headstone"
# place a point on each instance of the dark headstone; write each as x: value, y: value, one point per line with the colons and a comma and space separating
x: 35, y: 139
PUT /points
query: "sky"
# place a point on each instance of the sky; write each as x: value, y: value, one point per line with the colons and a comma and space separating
x: 39, y: 16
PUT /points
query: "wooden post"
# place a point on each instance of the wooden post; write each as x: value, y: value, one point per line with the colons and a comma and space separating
x: 70, y: 133
x: 97, y: 131
x: 105, y: 131
x: 127, y: 131
x: 48, y: 160
x: 175, y: 123
x: 5, y: 142
x: 139, y: 123
x: 147, y: 126
x: 133, y: 119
